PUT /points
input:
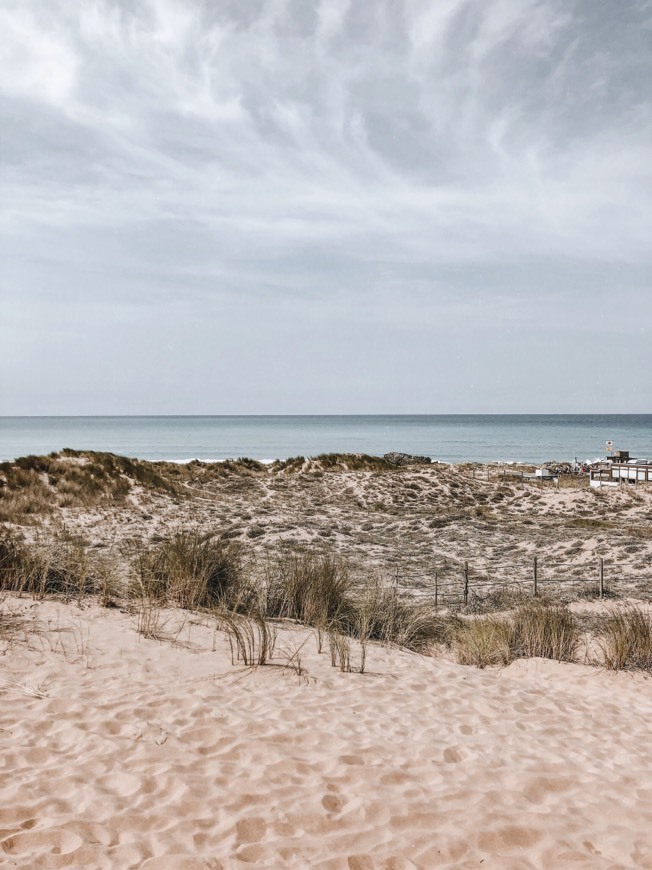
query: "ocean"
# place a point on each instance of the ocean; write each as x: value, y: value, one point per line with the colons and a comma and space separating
x: 446, y: 437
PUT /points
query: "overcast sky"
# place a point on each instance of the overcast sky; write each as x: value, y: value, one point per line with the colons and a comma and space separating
x: 294, y: 206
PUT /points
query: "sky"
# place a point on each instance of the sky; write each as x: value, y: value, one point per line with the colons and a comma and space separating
x: 325, y: 206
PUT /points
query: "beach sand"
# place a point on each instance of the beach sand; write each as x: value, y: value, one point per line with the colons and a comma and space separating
x: 121, y: 751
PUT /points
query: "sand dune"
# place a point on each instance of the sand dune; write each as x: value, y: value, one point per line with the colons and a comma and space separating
x: 119, y: 751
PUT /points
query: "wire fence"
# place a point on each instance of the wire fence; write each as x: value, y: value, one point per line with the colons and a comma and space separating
x: 462, y: 583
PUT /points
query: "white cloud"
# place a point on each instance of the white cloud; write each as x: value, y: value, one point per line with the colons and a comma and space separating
x: 332, y: 151
x: 36, y: 62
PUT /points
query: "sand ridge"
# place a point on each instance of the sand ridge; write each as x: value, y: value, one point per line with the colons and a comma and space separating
x: 409, y: 522
x: 119, y: 751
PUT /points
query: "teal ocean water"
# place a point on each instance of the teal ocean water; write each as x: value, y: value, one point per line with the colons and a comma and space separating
x: 449, y: 438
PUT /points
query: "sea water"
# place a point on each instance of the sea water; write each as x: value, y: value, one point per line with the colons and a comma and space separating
x: 445, y: 437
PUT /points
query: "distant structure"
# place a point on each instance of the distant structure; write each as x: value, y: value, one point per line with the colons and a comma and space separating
x: 620, y: 468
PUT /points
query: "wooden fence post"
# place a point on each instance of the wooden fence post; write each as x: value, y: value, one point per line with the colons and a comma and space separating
x: 466, y: 583
x: 601, y: 577
x: 535, y: 577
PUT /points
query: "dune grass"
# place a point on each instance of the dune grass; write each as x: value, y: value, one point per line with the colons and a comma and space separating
x: 381, y: 614
x: 312, y: 588
x: 252, y: 637
x: 543, y: 629
x: 194, y: 570
x: 483, y: 642
x: 191, y: 569
x: 59, y: 566
x: 626, y: 640
x: 36, y: 485
x: 535, y: 629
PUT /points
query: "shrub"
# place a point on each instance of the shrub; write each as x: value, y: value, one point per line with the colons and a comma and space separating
x: 626, y: 640
x: 483, y: 641
x: 545, y: 630
x: 381, y: 614
x: 315, y: 589
x: 192, y: 570
x: 535, y: 629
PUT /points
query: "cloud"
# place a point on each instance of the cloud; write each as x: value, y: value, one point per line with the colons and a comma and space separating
x: 353, y: 159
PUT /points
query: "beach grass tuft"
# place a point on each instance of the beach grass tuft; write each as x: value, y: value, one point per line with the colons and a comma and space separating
x: 484, y: 641
x: 544, y: 629
x: 191, y: 569
x: 626, y: 639
x: 252, y: 638
x: 535, y: 629
x: 312, y: 588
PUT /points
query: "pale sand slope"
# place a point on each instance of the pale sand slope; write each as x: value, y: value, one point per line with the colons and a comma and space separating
x: 145, y: 754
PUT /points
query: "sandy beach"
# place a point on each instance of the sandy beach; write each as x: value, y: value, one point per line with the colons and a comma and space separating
x: 130, y: 748
x: 124, y: 752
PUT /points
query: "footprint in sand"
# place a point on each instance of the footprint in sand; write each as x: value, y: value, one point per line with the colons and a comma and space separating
x: 351, y: 759
x: 122, y: 784
x: 251, y: 830
x: 452, y: 755
x: 507, y: 838
x: 49, y: 841
x: 333, y: 803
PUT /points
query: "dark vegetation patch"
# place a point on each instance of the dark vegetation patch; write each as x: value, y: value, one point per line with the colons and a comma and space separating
x: 38, y: 484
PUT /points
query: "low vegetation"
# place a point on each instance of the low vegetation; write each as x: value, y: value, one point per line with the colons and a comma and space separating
x: 536, y: 629
x: 60, y: 566
x: 626, y: 640
x: 192, y: 570
x: 315, y: 589
x: 199, y: 571
x: 34, y: 485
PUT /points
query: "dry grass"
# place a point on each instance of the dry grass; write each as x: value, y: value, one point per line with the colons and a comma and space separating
x: 190, y: 569
x: 332, y: 462
x: 380, y: 614
x: 626, y: 640
x: 484, y: 641
x: 37, y: 485
x: 340, y: 650
x: 149, y: 621
x: 499, y: 599
x: 542, y: 629
x: 13, y: 561
x: 536, y: 629
x: 252, y: 638
x: 314, y: 589
x: 59, y: 566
